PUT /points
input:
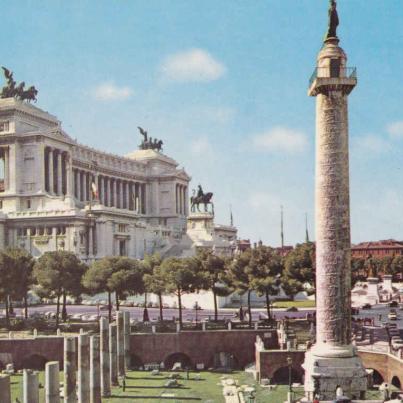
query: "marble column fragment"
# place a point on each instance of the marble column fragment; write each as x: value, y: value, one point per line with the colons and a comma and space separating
x: 30, y: 387
x: 83, y: 368
x: 5, y: 392
x: 95, y: 375
x: 70, y: 394
x: 120, y: 343
x: 126, y: 325
x: 104, y: 357
x: 112, y: 354
x: 52, y: 394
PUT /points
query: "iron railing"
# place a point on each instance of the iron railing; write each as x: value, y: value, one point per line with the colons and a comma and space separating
x: 328, y: 72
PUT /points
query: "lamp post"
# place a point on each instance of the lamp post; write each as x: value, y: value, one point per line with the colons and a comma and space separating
x: 289, y: 363
x: 196, y: 307
x: 316, y: 388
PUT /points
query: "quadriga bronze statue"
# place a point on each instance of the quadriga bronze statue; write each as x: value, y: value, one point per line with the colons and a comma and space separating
x: 12, y: 90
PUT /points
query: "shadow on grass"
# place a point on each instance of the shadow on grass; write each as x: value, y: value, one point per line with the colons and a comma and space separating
x: 156, y: 387
x: 148, y: 378
x: 131, y: 397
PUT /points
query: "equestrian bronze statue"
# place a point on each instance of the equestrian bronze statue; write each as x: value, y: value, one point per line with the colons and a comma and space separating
x: 149, y: 143
x: 201, y: 198
x: 12, y: 90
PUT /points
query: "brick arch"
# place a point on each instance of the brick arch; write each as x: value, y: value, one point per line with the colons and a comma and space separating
x: 377, y: 377
x: 135, y: 361
x: 395, y: 381
x: 281, y: 375
x: 279, y: 360
x: 178, y: 356
x: 34, y: 361
x: 375, y: 361
x: 233, y: 360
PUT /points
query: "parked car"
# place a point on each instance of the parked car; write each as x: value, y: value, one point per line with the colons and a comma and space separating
x: 292, y: 309
x: 366, y: 306
x: 103, y: 307
x: 393, y: 304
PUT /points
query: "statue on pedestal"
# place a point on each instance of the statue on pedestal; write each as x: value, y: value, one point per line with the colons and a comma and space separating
x: 149, y: 143
x: 12, y: 90
x: 200, y: 197
x: 333, y: 20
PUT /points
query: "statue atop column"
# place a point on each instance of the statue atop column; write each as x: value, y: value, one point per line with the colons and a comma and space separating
x: 12, y: 90
x: 333, y: 20
x: 149, y: 143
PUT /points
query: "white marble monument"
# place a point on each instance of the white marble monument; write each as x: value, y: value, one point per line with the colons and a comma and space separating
x: 333, y: 362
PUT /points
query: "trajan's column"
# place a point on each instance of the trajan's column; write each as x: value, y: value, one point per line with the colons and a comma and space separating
x: 333, y: 362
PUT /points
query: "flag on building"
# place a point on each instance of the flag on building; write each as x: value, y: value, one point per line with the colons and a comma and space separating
x: 94, y: 190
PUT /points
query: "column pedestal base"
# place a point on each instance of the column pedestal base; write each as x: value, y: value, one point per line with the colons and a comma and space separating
x: 326, y: 369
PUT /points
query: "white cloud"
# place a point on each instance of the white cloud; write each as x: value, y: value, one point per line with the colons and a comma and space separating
x: 192, y: 65
x: 396, y: 129
x: 260, y: 199
x: 201, y: 146
x: 373, y: 144
x: 281, y: 139
x: 110, y: 92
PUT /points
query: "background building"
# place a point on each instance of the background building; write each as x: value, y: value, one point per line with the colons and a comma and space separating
x: 57, y: 194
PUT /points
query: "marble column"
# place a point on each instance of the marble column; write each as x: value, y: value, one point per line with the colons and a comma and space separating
x: 50, y: 170
x: 52, y: 393
x: 120, y: 343
x: 112, y: 354
x: 115, y: 196
x: 6, y: 168
x: 102, y: 191
x: 69, y: 176
x: 127, y: 186
x: 30, y: 387
x: 83, y: 368
x: 181, y: 198
x: 141, y: 190
x: 95, y: 376
x: 126, y: 325
x: 85, y: 186
x: 177, y: 198
x: 104, y: 357
x: 333, y: 361
x: 59, y: 172
x: 2, y: 232
x: 185, y: 202
x: 136, y: 197
x: 43, y: 168
x: 5, y: 391
x: 78, y: 184
x: 70, y: 394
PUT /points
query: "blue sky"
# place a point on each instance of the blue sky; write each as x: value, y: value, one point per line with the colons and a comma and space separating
x: 224, y: 84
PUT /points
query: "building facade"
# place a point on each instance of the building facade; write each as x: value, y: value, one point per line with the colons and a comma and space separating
x: 57, y: 194
x: 377, y: 249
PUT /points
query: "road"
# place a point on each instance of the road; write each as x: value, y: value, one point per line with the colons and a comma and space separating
x: 378, y: 313
x: 169, y: 313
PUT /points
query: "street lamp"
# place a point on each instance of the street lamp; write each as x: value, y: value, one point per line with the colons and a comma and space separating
x: 316, y: 387
x: 289, y: 363
x: 196, y: 307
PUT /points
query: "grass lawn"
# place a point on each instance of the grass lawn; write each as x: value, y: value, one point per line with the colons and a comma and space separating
x: 141, y: 386
x: 298, y: 304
